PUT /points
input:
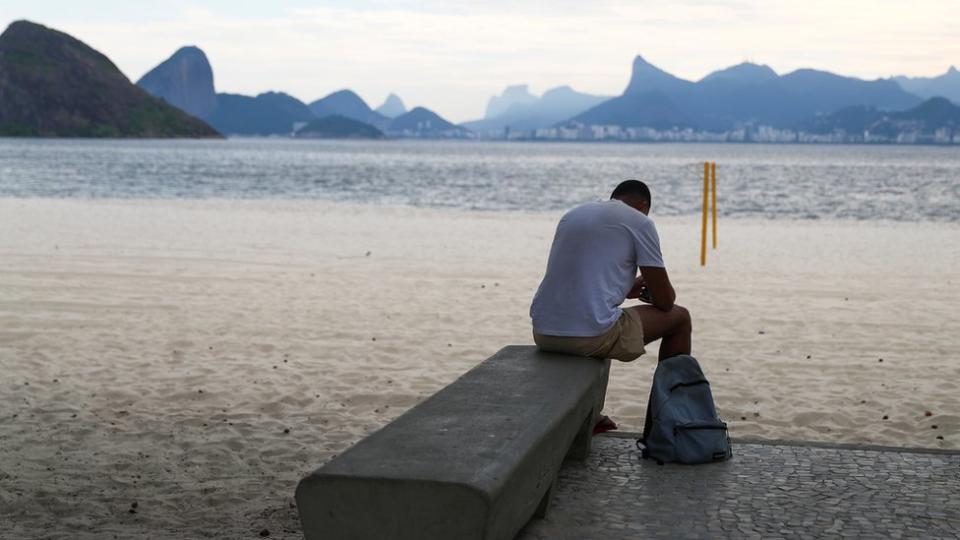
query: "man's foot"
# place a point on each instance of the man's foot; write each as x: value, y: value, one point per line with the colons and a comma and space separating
x: 603, y: 425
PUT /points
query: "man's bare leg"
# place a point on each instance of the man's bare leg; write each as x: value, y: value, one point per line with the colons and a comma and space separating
x: 672, y: 327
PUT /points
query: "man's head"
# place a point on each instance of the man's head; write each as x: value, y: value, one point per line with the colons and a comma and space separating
x: 634, y: 194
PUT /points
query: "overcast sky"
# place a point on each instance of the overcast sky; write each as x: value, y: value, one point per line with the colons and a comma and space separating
x: 452, y: 55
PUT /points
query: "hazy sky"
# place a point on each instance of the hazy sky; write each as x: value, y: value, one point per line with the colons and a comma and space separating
x: 452, y: 55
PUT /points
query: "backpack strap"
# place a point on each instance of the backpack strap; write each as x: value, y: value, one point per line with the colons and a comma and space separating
x: 648, y: 421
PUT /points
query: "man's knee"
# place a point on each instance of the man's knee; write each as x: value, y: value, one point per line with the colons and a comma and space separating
x: 682, y: 317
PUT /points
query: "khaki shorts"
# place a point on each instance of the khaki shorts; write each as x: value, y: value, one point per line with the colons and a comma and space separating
x: 623, y: 341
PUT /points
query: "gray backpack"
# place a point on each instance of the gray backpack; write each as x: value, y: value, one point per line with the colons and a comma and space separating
x: 682, y: 423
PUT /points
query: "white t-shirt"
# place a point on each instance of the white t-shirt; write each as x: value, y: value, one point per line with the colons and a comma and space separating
x: 593, y: 263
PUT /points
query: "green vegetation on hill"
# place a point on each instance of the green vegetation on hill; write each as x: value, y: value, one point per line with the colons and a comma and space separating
x: 338, y: 127
x: 935, y: 114
x: 52, y: 85
x: 424, y: 123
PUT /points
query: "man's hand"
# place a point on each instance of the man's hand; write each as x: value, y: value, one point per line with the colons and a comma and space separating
x: 658, y: 284
x: 639, y: 290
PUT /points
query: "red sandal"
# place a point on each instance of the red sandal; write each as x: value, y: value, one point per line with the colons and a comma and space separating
x: 604, y: 425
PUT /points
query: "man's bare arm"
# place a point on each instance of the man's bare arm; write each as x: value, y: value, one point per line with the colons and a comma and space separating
x: 661, y: 290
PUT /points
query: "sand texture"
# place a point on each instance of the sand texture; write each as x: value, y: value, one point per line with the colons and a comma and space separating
x: 198, y: 358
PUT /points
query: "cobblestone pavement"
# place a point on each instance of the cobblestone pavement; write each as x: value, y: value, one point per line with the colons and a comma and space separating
x: 766, y: 490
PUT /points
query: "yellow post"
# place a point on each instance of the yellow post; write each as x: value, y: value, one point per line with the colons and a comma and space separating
x: 703, y: 234
x: 713, y: 202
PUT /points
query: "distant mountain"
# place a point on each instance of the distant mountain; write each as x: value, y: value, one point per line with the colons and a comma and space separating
x: 935, y: 113
x: 392, y: 107
x: 924, y: 120
x: 338, y: 127
x: 786, y: 101
x: 424, y: 123
x: 348, y: 103
x: 745, y: 73
x: 824, y: 92
x: 555, y: 105
x: 946, y: 85
x: 743, y: 94
x: 185, y: 80
x: 652, y: 109
x: 512, y: 95
x: 646, y: 78
x: 271, y: 113
x: 653, y: 98
x: 52, y: 85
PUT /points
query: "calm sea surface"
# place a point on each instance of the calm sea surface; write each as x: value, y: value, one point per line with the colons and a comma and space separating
x: 770, y: 181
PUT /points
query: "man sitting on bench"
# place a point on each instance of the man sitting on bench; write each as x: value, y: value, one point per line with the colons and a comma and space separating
x: 597, y: 249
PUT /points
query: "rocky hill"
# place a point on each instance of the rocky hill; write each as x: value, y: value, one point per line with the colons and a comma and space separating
x: 421, y: 122
x: 270, y: 113
x: 347, y: 103
x: 185, y: 80
x: 392, y: 107
x: 53, y: 85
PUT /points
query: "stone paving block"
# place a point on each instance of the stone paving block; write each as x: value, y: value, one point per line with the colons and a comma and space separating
x: 782, y: 490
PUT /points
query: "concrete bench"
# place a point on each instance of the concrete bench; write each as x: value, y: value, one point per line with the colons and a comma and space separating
x: 474, y: 461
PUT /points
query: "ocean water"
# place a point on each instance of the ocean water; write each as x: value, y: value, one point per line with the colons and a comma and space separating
x: 900, y: 183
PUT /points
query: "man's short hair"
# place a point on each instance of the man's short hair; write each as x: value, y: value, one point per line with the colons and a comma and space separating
x: 631, y: 188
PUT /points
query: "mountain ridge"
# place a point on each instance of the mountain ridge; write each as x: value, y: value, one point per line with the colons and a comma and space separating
x: 946, y: 85
x: 745, y: 93
x: 554, y: 105
x: 512, y: 95
x: 743, y: 73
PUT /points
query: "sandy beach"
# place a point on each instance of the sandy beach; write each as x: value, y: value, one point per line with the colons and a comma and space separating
x: 172, y: 368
